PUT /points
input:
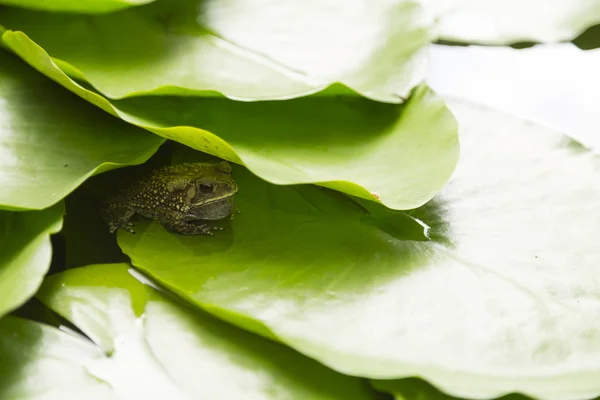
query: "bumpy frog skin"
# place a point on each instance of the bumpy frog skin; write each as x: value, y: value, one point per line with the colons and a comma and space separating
x: 175, y: 195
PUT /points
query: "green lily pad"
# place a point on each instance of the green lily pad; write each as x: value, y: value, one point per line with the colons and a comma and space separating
x: 275, y: 51
x: 88, y: 6
x: 516, y: 82
x: 505, y: 22
x: 25, y: 253
x: 399, y: 155
x: 51, y: 140
x: 38, y: 362
x: 176, y: 353
x: 499, y: 296
x: 371, y: 150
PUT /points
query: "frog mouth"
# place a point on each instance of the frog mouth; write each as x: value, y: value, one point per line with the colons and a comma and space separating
x: 213, y: 201
x: 214, y: 210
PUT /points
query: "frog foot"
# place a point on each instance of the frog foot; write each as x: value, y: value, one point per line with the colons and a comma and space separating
x: 207, y: 230
x: 114, y: 226
x: 188, y: 228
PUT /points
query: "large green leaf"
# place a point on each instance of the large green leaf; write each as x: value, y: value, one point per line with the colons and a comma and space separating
x: 512, y: 21
x: 400, y: 155
x: 240, y: 49
x: 501, y: 298
x: 87, y: 6
x: 372, y: 150
x: 158, y: 349
x: 51, y: 141
x: 25, y: 253
x: 553, y: 85
x: 40, y: 362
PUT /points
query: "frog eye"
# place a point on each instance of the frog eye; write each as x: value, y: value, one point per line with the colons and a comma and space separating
x: 206, y: 188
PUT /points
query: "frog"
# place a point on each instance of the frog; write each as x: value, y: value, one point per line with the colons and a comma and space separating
x: 176, y: 196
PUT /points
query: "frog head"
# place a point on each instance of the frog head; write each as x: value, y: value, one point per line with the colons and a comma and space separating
x: 209, y: 193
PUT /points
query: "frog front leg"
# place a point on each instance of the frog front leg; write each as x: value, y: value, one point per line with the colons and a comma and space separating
x: 118, y: 216
x: 181, y: 224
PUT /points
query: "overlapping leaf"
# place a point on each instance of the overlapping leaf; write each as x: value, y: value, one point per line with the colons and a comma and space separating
x: 399, y: 155
x: 87, y: 6
x: 152, y: 348
x: 25, y: 253
x: 501, y: 298
x: 553, y: 85
x: 51, y: 141
x: 243, y: 49
x: 512, y: 21
x: 40, y: 362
